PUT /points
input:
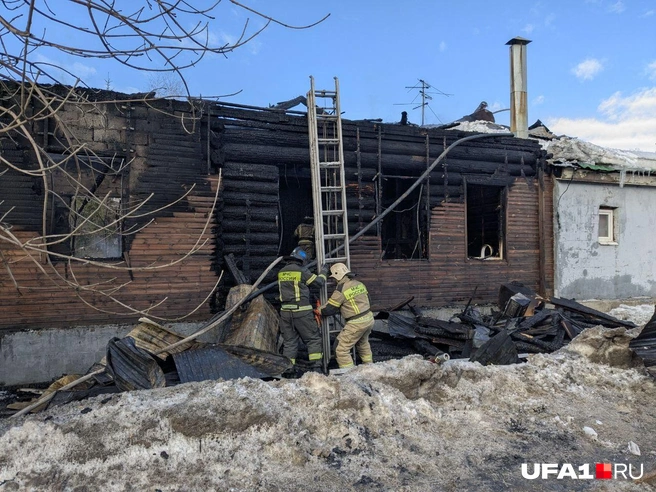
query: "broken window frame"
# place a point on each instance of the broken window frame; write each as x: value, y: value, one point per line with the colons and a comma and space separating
x: 611, y: 237
x: 97, y: 239
x: 69, y: 208
x: 420, y: 220
x: 498, y: 253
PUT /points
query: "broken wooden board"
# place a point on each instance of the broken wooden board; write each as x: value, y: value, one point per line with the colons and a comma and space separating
x: 603, y: 318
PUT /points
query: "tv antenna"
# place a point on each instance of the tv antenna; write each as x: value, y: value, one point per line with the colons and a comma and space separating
x: 423, y: 88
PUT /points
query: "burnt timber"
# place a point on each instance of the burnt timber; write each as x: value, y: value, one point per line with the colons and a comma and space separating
x: 263, y: 157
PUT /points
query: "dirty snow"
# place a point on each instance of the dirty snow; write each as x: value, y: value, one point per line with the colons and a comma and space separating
x: 639, y: 314
x: 399, y: 425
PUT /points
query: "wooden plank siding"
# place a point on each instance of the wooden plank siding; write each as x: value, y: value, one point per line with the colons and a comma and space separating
x: 166, y: 161
x: 44, y: 300
x: 448, y: 276
x: 264, y: 157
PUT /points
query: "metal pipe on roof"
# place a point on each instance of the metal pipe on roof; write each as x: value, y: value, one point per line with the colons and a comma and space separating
x: 518, y: 87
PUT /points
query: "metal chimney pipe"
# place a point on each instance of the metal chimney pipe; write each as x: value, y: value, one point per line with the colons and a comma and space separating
x: 518, y: 94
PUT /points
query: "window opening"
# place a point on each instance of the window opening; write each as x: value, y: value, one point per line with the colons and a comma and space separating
x: 95, y: 227
x: 404, y: 230
x: 486, y: 212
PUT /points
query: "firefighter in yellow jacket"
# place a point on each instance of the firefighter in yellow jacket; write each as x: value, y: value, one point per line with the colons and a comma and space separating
x: 351, y: 299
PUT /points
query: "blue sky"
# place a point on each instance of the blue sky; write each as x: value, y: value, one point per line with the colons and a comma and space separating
x: 591, y: 63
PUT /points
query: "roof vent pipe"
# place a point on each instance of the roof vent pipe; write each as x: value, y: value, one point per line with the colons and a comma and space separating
x: 518, y: 94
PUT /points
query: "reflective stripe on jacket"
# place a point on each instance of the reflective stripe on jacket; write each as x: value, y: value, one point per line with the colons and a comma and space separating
x: 293, y: 286
x: 351, y: 299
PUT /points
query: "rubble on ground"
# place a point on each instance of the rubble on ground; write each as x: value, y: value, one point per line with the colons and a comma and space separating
x: 151, y: 356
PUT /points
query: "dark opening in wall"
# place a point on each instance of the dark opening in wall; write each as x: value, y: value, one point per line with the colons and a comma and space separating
x: 486, y: 212
x: 403, y: 231
x: 295, y: 206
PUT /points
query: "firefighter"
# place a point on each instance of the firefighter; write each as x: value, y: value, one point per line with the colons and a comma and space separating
x: 305, y: 234
x: 351, y: 299
x: 296, y: 313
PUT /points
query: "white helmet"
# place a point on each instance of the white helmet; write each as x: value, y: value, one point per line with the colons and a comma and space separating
x: 338, y: 270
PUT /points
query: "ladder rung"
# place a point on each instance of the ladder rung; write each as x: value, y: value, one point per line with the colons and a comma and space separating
x: 330, y: 164
x: 334, y: 236
x: 327, y: 213
x: 337, y: 259
x: 324, y: 93
x: 331, y: 189
x: 324, y: 116
x: 328, y: 141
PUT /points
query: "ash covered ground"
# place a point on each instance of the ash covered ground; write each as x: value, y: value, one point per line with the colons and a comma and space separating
x: 406, y: 424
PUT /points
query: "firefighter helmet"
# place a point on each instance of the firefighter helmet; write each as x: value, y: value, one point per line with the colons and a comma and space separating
x: 338, y: 270
x: 298, y: 254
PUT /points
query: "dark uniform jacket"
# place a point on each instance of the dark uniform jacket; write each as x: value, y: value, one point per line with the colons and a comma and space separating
x: 293, y: 283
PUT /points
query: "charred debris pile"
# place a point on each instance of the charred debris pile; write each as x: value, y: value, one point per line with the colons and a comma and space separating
x: 151, y: 356
x: 524, y: 324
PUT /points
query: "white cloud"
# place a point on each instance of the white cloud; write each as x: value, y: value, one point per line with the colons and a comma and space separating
x: 549, y: 19
x: 588, y: 69
x: 528, y: 28
x: 649, y: 13
x: 626, y: 122
x: 63, y: 72
x: 538, y: 100
x: 651, y: 70
x: 617, y: 7
x: 81, y: 70
x: 442, y: 46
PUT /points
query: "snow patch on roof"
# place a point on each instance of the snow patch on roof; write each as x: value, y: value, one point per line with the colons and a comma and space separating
x: 478, y: 126
x: 569, y: 150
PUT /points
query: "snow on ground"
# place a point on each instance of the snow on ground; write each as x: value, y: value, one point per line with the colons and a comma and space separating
x: 639, y: 314
x: 407, y: 425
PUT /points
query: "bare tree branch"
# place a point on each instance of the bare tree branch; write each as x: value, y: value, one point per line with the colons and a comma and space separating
x: 75, y: 180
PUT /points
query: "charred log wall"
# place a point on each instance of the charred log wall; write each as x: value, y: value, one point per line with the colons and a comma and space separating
x: 375, y: 152
x: 449, y: 276
x: 166, y: 161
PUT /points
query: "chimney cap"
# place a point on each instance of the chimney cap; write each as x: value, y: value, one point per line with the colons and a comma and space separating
x: 518, y: 40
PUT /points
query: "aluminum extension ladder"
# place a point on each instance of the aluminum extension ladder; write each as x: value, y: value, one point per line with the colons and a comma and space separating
x: 328, y: 192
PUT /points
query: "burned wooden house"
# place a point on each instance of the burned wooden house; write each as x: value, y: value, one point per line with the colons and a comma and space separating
x: 481, y: 217
x: 179, y: 186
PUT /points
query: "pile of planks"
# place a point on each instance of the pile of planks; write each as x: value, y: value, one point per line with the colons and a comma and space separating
x: 524, y: 324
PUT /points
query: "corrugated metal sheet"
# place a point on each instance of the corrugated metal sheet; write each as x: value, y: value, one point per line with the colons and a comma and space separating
x: 152, y: 337
x: 215, y: 362
x: 131, y: 367
x: 402, y: 326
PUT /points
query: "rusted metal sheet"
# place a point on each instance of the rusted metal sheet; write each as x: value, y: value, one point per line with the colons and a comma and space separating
x: 271, y: 363
x: 153, y: 337
x: 131, y: 367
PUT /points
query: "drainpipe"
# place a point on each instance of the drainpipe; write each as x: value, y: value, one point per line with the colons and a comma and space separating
x: 518, y: 95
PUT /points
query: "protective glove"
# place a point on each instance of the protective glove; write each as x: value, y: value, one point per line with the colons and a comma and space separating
x: 325, y: 270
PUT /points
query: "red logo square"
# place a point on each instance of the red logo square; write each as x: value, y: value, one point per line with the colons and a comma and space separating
x: 604, y: 471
